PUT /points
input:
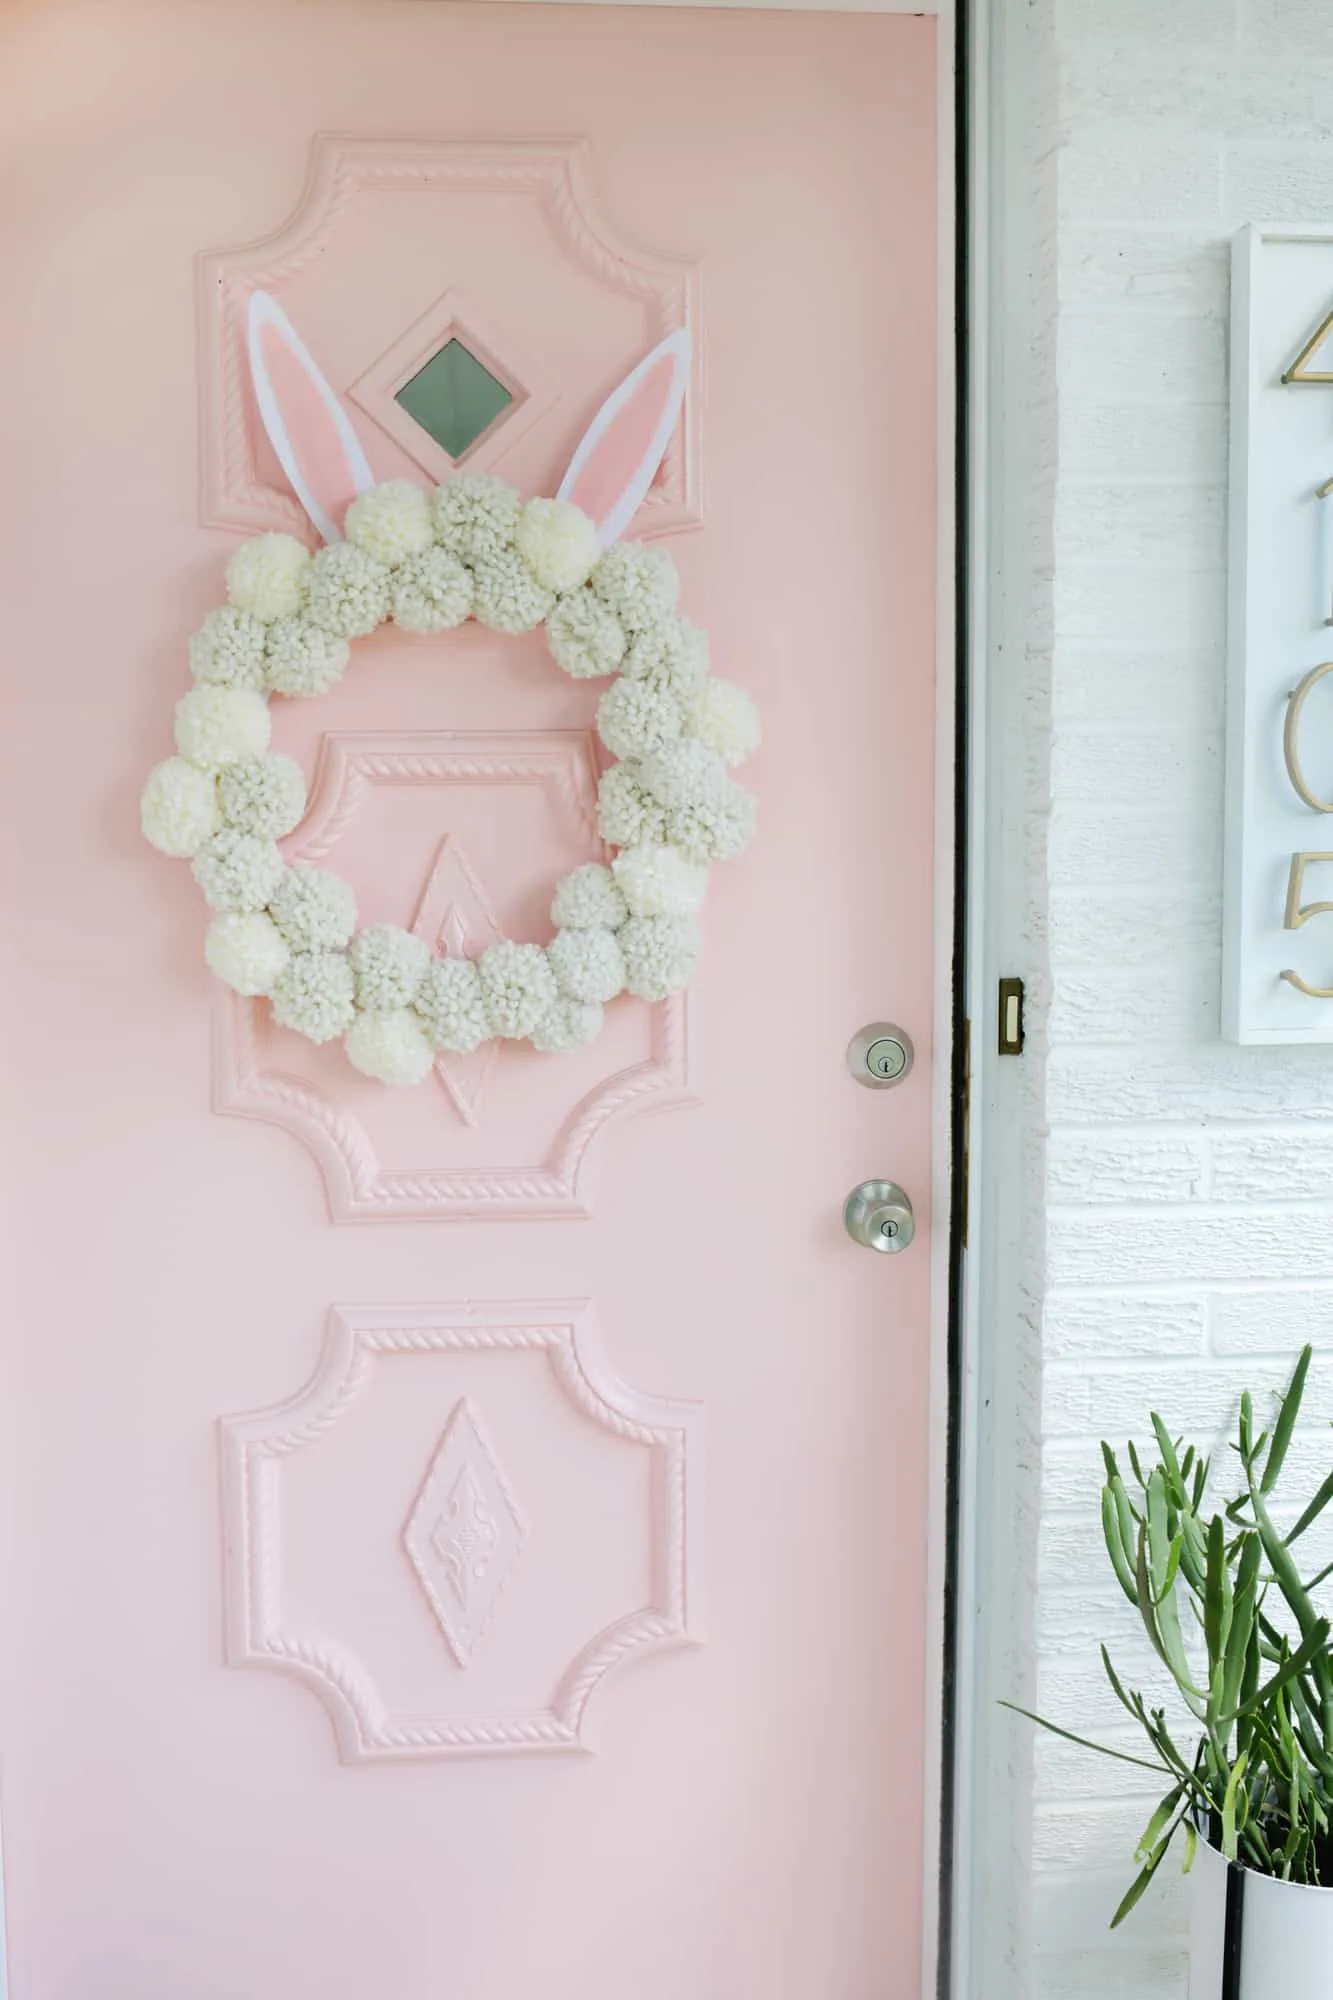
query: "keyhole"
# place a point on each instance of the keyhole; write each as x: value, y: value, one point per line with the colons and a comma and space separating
x: 889, y: 1229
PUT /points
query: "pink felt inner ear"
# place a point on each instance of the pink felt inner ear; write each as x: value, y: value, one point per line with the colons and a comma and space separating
x: 311, y: 430
x: 615, y: 462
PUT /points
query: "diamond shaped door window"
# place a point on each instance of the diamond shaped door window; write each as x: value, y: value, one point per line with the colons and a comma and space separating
x: 455, y: 398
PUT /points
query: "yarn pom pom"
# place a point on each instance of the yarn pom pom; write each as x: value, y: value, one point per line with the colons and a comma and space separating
x: 625, y: 812
x: 267, y: 577
x: 474, y: 516
x: 588, y: 965
x: 313, y: 995
x: 558, y: 543
x: 451, y: 1006
x: 302, y: 659
x: 519, y: 986
x: 431, y: 593
x: 638, y: 584
x: 585, y: 638
x: 390, y: 522
x: 247, y: 951
x: 507, y: 596
x: 661, y: 955
x: 179, y: 808
x: 659, y: 881
x: 569, y: 1024
x: 390, y: 1047
x: 237, y: 871
x: 714, y: 829
x: 588, y: 900
x: 228, y: 650
x: 683, y: 773
x: 389, y: 965
x: 349, y: 591
x: 216, y: 725
x: 314, y: 910
x: 264, y: 795
x: 725, y: 718
x: 636, y: 717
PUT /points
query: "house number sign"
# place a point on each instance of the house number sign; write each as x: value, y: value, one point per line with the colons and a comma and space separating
x: 1277, y: 968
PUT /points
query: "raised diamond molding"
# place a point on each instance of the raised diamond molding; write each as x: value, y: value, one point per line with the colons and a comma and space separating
x: 360, y: 1186
x: 519, y: 370
x: 483, y: 1531
x: 558, y: 179
x: 463, y: 1533
x: 456, y: 915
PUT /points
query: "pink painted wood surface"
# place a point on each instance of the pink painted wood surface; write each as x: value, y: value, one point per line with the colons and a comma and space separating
x: 750, y: 1824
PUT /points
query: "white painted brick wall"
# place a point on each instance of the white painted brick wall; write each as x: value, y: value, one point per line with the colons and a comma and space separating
x: 1187, y: 1186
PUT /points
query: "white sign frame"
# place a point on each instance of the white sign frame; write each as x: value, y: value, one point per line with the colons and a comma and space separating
x: 1278, y: 910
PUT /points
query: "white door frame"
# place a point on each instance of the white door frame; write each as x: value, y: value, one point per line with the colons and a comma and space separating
x: 1011, y: 140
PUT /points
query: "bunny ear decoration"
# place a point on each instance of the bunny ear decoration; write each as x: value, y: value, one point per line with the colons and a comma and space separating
x: 306, y: 424
x: 617, y: 460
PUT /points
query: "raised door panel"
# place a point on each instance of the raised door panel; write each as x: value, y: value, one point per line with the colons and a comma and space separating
x: 399, y: 255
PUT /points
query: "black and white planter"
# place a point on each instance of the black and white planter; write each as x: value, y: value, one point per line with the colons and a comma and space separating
x: 1253, y: 1938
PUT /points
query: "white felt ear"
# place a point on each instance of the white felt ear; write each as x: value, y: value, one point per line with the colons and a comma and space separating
x: 625, y: 443
x: 307, y: 425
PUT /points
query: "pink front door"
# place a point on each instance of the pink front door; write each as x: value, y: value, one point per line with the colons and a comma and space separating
x: 492, y: 1422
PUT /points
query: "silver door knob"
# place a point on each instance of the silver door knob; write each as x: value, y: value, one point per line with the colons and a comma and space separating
x: 879, y: 1215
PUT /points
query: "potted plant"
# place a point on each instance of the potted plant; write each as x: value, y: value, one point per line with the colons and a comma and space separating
x: 1248, y: 1778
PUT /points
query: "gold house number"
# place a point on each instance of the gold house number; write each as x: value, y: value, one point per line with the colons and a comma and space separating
x: 1297, y: 912
x: 1303, y: 370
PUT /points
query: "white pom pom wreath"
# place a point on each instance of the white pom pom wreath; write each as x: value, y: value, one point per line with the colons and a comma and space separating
x: 314, y: 910
x: 390, y: 1047
x: 661, y: 955
x: 507, y: 596
x: 519, y: 986
x: 586, y: 639
x: 557, y: 542
x: 264, y: 795
x: 247, y: 951
x: 389, y: 965
x: 429, y: 561
x: 228, y: 650
x: 659, y: 881
x: 634, y: 717
x: 626, y: 814
x: 390, y: 522
x: 718, y: 829
x: 638, y: 584
x: 216, y: 725
x: 451, y: 1006
x: 302, y: 659
x: 588, y: 965
x: 349, y: 591
x: 268, y: 577
x: 475, y: 516
x: 589, y: 900
x: 237, y: 871
x: 313, y: 995
x: 683, y: 773
x: 431, y: 593
x: 570, y: 1024
x: 725, y: 718
x: 179, y: 808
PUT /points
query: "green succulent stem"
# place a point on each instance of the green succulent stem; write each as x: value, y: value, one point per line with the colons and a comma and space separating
x: 1242, y: 1641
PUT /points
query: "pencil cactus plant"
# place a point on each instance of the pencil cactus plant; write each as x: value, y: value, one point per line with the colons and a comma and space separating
x: 1221, y: 1596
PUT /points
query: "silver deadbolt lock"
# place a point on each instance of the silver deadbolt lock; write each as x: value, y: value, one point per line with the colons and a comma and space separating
x: 880, y: 1056
x: 879, y: 1215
